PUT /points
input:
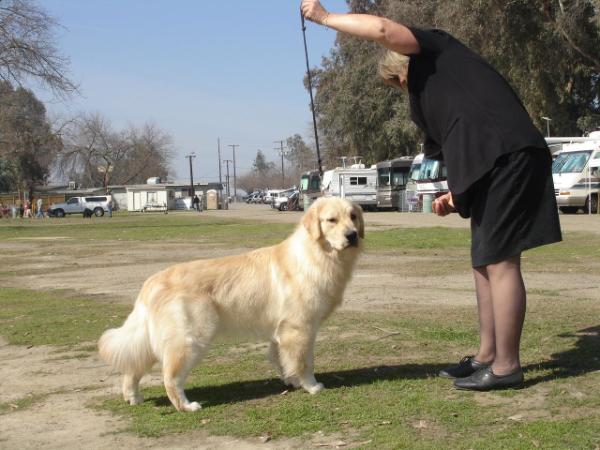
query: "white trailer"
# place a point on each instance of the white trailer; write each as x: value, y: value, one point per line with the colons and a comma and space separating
x: 356, y: 183
x: 575, y: 173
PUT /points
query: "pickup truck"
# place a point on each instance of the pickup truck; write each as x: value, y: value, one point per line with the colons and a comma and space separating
x: 76, y: 205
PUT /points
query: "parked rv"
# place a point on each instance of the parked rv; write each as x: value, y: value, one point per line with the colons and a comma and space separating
x: 392, y: 177
x: 310, y: 188
x: 356, y: 183
x: 428, y: 177
x: 576, y: 177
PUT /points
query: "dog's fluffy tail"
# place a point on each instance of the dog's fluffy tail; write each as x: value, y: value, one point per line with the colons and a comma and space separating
x: 127, y: 349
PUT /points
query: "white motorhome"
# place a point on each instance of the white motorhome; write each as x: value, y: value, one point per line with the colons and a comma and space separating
x: 575, y: 173
x: 427, y: 177
x: 356, y: 183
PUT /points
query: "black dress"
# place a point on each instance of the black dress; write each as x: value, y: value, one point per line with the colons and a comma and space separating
x: 499, y: 167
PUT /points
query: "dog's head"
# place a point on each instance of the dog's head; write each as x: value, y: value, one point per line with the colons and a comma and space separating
x: 336, y: 222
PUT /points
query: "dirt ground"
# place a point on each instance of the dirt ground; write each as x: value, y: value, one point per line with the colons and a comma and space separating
x: 62, y: 419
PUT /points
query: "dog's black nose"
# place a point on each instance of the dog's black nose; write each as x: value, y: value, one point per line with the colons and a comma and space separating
x: 352, y: 237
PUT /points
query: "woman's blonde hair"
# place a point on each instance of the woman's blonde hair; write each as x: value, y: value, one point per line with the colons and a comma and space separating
x: 392, y: 64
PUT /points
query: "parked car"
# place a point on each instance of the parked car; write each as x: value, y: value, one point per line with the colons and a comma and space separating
x: 254, y: 198
x: 280, y: 200
x: 287, y: 202
x: 76, y: 205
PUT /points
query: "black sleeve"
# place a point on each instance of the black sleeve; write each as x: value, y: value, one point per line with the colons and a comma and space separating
x: 434, y: 41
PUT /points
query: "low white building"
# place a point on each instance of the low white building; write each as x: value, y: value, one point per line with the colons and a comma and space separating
x: 150, y: 197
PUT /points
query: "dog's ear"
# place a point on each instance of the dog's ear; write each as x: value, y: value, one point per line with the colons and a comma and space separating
x: 311, y: 221
x: 361, y: 222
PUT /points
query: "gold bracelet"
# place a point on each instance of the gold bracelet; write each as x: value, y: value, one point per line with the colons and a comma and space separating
x: 324, y: 21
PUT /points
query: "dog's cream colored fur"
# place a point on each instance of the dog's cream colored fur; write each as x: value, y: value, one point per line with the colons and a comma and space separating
x: 280, y: 293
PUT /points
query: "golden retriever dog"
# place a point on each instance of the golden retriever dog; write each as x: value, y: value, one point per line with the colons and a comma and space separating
x: 281, y: 294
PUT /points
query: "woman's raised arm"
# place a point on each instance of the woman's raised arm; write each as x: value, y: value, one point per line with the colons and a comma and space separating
x: 392, y: 35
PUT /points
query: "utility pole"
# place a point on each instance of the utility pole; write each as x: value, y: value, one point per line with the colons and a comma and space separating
x: 227, y: 161
x: 189, y: 157
x: 219, y: 153
x: 281, y: 152
x: 233, y: 146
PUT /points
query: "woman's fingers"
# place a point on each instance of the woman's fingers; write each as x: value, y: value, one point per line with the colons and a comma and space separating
x: 312, y: 10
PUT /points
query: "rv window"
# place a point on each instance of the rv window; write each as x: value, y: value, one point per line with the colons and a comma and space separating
x: 355, y: 181
x: 315, y: 183
x: 304, y: 183
x: 384, y: 177
x: 570, y: 162
x: 400, y: 176
x: 414, y: 171
x: 430, y: 169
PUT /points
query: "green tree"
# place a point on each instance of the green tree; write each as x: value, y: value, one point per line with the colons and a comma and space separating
x: 27, y: 144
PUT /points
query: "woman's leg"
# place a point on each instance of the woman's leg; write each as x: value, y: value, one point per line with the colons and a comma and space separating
x: 509, y: 303
x: 485, y: 309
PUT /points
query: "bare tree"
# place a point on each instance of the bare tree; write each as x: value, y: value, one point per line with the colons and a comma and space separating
x: 94, y: 154
x: 28, y: 50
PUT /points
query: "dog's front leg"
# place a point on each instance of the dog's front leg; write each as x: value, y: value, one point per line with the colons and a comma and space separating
x: 296, y: 355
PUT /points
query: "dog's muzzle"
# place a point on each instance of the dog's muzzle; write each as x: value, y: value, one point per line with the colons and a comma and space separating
x: 352, y: 238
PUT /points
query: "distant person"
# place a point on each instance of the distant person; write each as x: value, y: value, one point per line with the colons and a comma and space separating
x: 109, y: 205
x: 40, y: 208
x: 27, y: 210
x: 196, y: 203
x: 499, y: 173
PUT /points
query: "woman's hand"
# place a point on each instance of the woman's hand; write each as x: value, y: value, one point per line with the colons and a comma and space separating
x: 313, y: 11
x: 443, y: 205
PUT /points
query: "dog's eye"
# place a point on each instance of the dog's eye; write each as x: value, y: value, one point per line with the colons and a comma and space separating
x: 353, y: 217
x: 332, y: 220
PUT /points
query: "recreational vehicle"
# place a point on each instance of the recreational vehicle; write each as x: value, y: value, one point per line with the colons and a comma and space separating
x: 310, y: 188
x: 392, y: 177
x: 356, y: 183
x: 428, y: 180
x: 575, y: 173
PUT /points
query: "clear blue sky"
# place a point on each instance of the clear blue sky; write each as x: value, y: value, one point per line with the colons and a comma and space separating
x: 199, y: 70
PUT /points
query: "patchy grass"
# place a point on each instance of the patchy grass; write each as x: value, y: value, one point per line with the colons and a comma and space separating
x: 22, y: 403
x: 380, y: 367
x: 54, y: 317
x: 383, y: 388
x: 149, y: 228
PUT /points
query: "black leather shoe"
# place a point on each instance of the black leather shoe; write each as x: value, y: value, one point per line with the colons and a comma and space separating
x: 485, y: 380
x: 467, y: 366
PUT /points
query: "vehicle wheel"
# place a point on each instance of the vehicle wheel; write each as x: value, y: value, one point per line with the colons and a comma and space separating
x: 283, y: 207
x: 60, y: 213
x: 98, y: 212
x: 586, y: 208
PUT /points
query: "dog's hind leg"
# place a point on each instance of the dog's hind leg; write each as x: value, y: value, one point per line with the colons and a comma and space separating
x: 296, y: 351
x: 177, y: 365
x: 184, y: 347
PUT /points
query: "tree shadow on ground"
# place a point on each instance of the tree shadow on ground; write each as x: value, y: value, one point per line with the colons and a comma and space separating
x: 257, y: 389
x: 582, y: 358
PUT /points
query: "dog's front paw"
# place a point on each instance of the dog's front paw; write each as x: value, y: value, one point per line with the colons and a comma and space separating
x: 313, y: 389
x: 192, y: 407
x: 135, y: 399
